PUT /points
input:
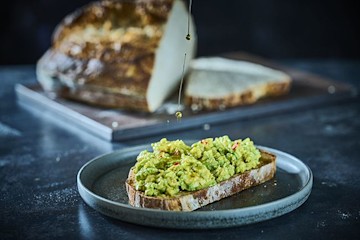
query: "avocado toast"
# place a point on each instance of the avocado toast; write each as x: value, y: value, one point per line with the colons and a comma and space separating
x: 179, y: 177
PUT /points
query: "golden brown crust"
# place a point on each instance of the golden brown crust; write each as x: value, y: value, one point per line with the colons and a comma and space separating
x: 189, y: 201
x: 278, y: 89
x: 117, y: 33
x: 120, y: 77
x: 237, y: 99
x: 105, y: 98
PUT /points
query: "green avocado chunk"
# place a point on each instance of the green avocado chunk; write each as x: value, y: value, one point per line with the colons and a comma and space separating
x: 173, y: 166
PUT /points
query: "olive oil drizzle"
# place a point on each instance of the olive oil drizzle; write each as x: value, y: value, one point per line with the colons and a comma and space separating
x: 178, y: 114
x: 188, y: 37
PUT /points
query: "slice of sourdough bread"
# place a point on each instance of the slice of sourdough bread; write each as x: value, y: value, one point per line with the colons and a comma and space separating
x: 189, y: 201
x: 217, y: 83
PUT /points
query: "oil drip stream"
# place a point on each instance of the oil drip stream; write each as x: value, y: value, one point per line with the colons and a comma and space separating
x: 179, y: 114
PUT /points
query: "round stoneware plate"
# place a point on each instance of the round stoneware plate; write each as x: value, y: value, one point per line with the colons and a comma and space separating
x: 101, y: 184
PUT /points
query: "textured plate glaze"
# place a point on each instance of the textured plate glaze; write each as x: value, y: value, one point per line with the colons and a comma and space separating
x: 101, y: 185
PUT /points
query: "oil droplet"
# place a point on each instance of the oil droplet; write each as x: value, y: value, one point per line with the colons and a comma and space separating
x: 188, y: 22
x: 206, y: 127
x: 114, y: 124
x: 331, y: 89
x: 178, y: 115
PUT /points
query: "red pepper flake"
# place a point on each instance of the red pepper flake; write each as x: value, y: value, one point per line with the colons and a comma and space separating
x: 176, y: 163
x: 236, y: 144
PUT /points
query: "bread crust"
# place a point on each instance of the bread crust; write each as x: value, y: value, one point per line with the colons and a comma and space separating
x: 66, y: 77
x: 189, y: 201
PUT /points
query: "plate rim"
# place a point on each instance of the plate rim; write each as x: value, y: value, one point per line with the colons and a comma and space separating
x: 199, y: 214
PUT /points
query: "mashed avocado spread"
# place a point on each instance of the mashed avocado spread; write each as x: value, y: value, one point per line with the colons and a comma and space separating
x: 174, y: 166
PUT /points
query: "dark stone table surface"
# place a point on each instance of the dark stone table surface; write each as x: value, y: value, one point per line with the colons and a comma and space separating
x: 39, y: 160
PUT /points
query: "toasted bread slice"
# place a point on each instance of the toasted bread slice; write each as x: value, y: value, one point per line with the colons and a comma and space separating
x: 189, y: 201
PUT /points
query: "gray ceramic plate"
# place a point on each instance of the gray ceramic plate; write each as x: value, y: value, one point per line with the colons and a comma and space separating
x: 101, y: 185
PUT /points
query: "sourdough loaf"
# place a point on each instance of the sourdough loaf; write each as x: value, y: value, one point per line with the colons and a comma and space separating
x: 217, y: 83
x: 119, y: 53
x: 189, y: 201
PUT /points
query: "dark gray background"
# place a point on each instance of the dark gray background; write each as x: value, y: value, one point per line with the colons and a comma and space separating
x: 270, y: 28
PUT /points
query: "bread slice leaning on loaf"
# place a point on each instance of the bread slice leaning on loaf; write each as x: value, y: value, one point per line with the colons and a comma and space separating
x: 217, y: 83
x: 189, y: 201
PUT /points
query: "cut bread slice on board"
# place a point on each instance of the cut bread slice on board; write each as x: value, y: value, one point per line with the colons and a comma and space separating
x: 189, y: 201
x: 119, y: 53
x: 217, y: 83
